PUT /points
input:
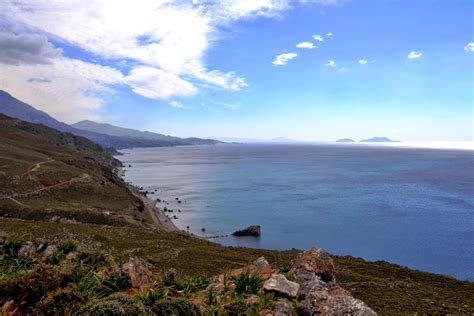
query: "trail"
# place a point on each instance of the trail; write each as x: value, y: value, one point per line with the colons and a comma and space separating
x: 82, y: 177
x: 36, y: 167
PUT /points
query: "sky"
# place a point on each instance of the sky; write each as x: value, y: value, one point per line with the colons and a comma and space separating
x: 312, y: 70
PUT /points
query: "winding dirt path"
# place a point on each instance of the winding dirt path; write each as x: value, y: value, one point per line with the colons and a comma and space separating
x: 36, y: 167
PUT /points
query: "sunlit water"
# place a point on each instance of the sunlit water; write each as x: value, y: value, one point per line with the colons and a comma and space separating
x: 413, y: 207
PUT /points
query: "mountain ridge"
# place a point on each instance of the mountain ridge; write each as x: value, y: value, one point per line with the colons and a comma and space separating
x: 13, y: 107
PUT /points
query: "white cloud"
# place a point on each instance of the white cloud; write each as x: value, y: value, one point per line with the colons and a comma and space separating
x: 469, y: 47
x: 330, y: 63
x: 414, y: 55
x: 283, y: 59
x: 363, y: 61
x: 162, y: 42
x: 329, y: 34
x: 68, y: 89
x: 307, y: 45
x: 156, y: 83
x: 343, y: 69
x: 177, y: 105
x: 318, y: 38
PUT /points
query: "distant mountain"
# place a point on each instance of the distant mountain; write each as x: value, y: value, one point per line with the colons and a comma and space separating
x: 345, y: 140
x: 378, y: 140
x: 113, y: 130
x: 13, y: 107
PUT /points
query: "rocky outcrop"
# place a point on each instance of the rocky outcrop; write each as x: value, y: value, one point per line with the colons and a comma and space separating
x: 279, y: 284
x: 253, y: 231
x: 138, y: 273
x: 318, y: 292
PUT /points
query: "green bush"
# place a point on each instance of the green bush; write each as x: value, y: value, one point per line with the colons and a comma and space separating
x: 62, y: 301
x: 238, y: 308
x: 194, y: 283
x: 67, y: 246
x: 265, y: 301
x: 247, y: 283
x: 176, y: 307
x: 30, y: 287
x: 154, y: 295
x: 116, y: 305
x: 170, y: 278
x: 12, y: 246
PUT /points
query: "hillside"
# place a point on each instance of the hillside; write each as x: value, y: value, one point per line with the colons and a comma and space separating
x: 68, y: 225
x: 112, y: 130
x: 50, y: 175
x: 13, y: 107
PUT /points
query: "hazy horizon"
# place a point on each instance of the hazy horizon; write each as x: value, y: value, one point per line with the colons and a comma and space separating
x: 316, y: 70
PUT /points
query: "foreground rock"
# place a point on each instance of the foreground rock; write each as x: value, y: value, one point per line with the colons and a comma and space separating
x: 138, y: 273
x: 319, y: 294
x: 253, y: 231
x: 280, y: 285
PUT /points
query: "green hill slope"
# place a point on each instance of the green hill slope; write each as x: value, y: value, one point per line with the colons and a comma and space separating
x: 50, y: 175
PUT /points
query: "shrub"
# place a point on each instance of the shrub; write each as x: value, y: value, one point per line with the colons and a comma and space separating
x: 62, y: 301
x: 238, y: 308
x: 67, y: 246
x: 194, y: 283
x: 176, y: 307
x: 170, y: 278
x: 247, y: 283
x: 11, y: 246
x: 116, y: 305
x: 31, y: 286
x: 265, y: 301
x: 154, y: 295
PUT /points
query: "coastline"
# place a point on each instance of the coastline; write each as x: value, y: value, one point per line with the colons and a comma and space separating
x: 161, y: 221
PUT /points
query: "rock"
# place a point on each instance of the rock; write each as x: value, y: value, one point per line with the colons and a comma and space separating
x: 283, y: 307
x: 261, y: 262
x: 138, y: 272
x: 335, y: 305
x: 252, y: 299
x: 27, y: 250
x: 262, y: 268
x: 318, y: 261
x: 280, y: 285
x: 217, y: 288
x: 311, y: 285
x: 253, y: 231
x: 48, y: 252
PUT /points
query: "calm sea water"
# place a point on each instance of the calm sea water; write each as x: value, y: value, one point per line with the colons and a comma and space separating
x: 414, y: 207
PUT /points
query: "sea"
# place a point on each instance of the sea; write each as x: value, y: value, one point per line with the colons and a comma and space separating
x: 409, y: 206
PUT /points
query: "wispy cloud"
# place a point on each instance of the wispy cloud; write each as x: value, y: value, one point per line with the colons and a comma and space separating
x: 307, y: 45
x: 318, y: 38
x: 414, y: 55
x: 283, y: 59
x: 469, y: 47
x: 177, y: 104
x: 330, y: 63
x: 363, y: 61
x: 329, y: 34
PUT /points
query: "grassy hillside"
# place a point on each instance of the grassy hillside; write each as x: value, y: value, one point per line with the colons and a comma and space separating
x: 50, y: 175
x: 387, y: 288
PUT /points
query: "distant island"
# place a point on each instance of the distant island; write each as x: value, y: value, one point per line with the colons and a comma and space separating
x: 378, y: 140
x: 345, y: 140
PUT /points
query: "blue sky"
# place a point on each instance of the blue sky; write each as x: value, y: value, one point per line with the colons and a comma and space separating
x: 208, y: 70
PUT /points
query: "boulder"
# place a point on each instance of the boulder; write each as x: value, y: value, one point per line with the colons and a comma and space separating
x: 311, y: 285
x: 335, y: 305
x: 262, y: 268
x: 27, y: 250
x: 253, y: 231
x: 281, y: 286
x: 283, y: 307
x: 317, y: 261
x: 48, y: 252
x: 138, y: 273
